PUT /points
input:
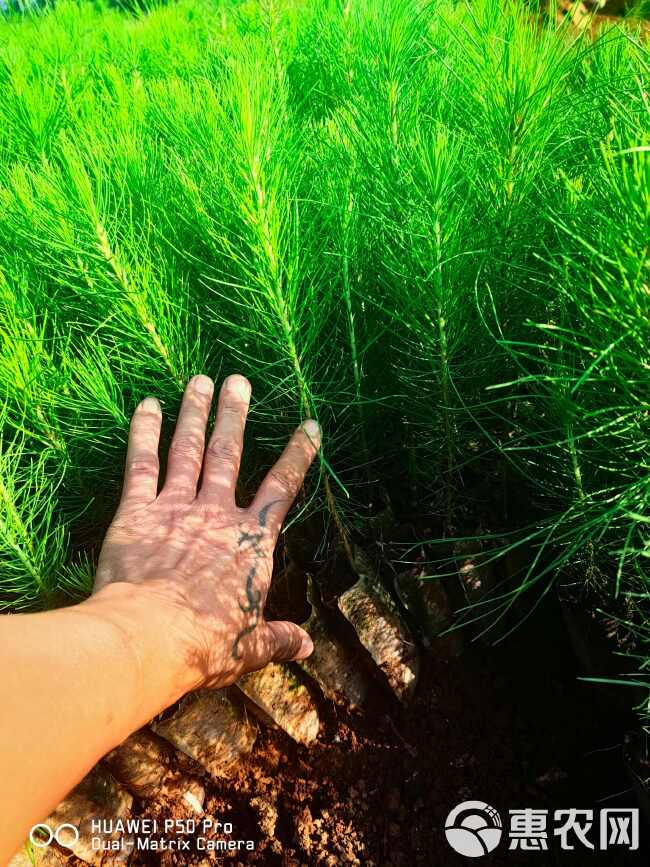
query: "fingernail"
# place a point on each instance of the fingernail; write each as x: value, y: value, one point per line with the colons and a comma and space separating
x: 306, y: 647
x: 312, y: 429
x: 202, y: 384
x: 150, y: 404
x: 239, y: 386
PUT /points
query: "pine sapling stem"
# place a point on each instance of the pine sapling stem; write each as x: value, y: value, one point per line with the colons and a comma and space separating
x: 354, y: 352
x: 444, y: 382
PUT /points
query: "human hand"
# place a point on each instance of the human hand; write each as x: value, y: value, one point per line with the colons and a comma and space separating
x: 197, y: 564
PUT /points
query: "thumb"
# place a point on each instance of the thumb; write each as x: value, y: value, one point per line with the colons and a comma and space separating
x: 286, y: 641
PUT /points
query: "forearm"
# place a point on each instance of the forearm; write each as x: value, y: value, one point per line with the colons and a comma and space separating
x: 76, y: 682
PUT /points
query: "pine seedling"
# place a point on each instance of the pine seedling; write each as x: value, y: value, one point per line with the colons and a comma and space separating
x: 29, y: 370
x: 33, y: 542
x: 270, y: 305
x: 582, y: 436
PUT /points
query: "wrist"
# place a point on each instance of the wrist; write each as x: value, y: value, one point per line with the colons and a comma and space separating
x: 150, y: 631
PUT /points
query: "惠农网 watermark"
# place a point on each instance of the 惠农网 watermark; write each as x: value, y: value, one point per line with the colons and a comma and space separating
x: 474, y: 828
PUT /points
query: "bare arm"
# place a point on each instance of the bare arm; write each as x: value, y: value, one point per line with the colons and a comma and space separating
x: 178, y: 601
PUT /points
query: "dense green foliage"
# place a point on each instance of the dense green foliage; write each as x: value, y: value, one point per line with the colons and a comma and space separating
x: 425, y: 223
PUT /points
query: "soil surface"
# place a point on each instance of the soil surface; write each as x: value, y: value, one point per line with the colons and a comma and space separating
x: 510, y: 725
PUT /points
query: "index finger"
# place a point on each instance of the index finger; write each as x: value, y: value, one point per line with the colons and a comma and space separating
x: 282, y: 483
